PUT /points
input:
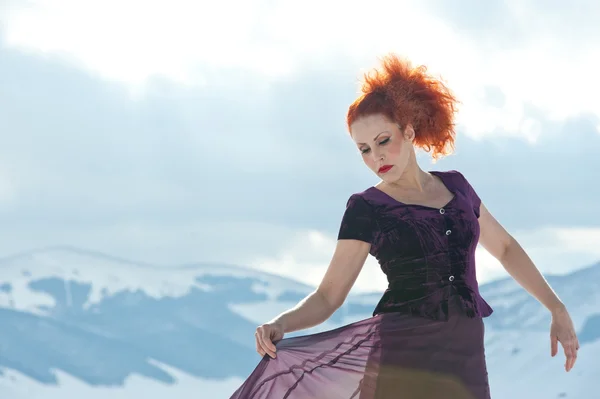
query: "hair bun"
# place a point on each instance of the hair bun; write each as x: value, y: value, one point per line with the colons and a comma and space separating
x: 409, y: 95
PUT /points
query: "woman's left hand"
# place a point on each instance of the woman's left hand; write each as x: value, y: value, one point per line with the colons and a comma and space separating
x: 563, y: 331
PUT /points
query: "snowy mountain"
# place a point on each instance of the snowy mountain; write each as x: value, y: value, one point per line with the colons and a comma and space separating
x: 76, y: 323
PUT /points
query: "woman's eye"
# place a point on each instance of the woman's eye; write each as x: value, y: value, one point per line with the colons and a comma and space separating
x: 365, y: 150
x: 383, y: 142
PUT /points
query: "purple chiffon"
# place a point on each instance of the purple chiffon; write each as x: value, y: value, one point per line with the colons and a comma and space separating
x: 425, y: 339
x: 389, y: 356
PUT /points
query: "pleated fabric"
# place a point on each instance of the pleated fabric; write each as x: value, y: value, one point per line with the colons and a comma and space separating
x: 388, y: 356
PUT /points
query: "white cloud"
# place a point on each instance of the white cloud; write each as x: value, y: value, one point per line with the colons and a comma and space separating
x: 561, y: 249
x: 8, y: 190
x: 133, y: 40
x: 305, y: 257
x: 161, y: 206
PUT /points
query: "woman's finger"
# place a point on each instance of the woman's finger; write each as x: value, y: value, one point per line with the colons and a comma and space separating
x: 574, y: 356
x: 259, y: 349
x: 553, y: 345
x: 263, y: 339
x: 270, y: 343
x: 267, y: 344
x: 570, y: 353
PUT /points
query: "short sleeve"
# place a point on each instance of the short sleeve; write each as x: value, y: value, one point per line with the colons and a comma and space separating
x: 470, y: 193
x: 357, y: 222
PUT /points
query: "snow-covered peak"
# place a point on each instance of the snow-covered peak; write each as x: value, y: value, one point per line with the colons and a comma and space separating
x: 107, y: 275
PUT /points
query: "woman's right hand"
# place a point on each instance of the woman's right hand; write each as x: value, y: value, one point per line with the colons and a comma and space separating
x: 265, y: 335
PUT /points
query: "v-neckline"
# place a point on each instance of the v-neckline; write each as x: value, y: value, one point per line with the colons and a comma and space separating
x: 435, y: 173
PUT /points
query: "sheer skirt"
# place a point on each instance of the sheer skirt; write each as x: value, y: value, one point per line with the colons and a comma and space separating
x: 389, y: 356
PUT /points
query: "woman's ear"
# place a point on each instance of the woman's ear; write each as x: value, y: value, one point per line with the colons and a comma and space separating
x: 409, y: 132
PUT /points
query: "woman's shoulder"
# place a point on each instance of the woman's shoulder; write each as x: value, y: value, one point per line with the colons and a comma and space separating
x: 458, y: 182
x: 361, y: 197
x: 452, y: 173
x: 453, y: 177
x: 364, y: 202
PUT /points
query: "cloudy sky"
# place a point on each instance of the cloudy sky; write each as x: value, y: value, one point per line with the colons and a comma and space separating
x: 214, y: 131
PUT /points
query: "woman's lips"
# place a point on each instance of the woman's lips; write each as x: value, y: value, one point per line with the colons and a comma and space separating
x: 385, y: 168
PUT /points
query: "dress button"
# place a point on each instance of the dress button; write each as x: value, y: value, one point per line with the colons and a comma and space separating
x: 451, y: 278
x: 448, y: 232
x: 442, y: 211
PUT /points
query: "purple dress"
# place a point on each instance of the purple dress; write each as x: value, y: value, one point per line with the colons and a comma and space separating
x: 425, y: 339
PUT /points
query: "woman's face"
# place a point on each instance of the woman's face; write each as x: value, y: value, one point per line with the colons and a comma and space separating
x: 385, y: 149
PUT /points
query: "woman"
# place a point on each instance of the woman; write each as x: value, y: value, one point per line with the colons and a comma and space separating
x: 425, y: 339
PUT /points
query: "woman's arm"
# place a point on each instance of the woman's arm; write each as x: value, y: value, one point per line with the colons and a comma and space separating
x: 502, y: 246
x: 498, y: 242
x: 354, y: 243
x: 344, y: 268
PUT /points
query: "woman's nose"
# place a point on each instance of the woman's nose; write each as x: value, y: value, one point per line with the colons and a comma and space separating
x: 378, y: 156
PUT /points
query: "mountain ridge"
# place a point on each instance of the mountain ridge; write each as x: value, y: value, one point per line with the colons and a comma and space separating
x: 81, y: 313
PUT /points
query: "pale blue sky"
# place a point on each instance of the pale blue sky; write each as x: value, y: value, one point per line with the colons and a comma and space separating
x: 159, y: 145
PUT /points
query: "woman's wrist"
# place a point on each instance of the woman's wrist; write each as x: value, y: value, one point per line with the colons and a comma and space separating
x: 279, y: 320
x: 557, y: 308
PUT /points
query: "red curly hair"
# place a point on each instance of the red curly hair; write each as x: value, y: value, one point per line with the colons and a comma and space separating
x: 408, y: 95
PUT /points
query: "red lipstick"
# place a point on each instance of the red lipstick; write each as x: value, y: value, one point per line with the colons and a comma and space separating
x: 385, y: 168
